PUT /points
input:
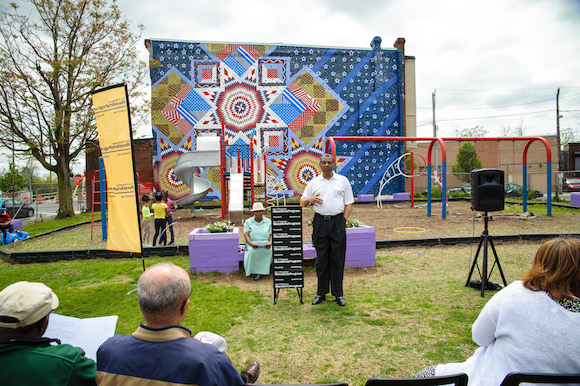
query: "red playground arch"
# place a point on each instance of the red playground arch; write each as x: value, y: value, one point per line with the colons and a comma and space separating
x: 330, y: 147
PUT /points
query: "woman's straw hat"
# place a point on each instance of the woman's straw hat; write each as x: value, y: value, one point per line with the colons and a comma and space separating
x: 257, y: 206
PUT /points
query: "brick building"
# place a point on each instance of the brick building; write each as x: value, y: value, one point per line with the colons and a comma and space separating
x: 143, y: 155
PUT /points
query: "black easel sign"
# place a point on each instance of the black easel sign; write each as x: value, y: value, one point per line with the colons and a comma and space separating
x: 287, y: 249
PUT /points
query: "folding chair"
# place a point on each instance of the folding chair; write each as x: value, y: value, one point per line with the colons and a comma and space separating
x: 454, y: 379
x: 514, y: 379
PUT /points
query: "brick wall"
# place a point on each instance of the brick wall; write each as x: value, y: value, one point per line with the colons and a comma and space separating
x: 143, y: 150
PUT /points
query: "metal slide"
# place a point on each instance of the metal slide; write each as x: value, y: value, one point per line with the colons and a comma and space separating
x: 185, y: 168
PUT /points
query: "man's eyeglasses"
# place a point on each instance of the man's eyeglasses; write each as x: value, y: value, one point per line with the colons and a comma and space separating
x: 185, y: 301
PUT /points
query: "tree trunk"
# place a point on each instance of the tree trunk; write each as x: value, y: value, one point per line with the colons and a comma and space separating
x: 65, y: 208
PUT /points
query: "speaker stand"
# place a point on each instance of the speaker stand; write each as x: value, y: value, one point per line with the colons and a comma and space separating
x: 484, y: 240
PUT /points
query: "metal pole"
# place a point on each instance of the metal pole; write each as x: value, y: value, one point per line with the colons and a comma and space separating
x: 434, y: 130
x: 558, y: 124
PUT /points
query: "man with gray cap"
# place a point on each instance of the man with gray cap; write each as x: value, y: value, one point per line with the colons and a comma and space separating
x: 26, y: 358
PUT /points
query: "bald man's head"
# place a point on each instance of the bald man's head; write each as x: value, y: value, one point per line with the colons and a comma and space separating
x: 163, y: 290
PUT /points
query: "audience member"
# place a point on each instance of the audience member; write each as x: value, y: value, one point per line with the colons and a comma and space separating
x: 531, y: 325
x: 26, y: 358
x: 161, y: 351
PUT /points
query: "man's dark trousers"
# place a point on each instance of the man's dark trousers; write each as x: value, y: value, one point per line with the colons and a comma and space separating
x: 329, y: 239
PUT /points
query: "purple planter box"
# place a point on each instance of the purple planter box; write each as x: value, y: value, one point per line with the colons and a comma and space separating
x: 575, y: 198
x: 366, y: 198
x: 222, y: 252
x: 404, y: 196
x: 361, y: 243
x: 210, y: 252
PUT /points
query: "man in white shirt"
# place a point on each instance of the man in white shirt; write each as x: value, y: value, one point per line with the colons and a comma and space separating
x: 331, y: 195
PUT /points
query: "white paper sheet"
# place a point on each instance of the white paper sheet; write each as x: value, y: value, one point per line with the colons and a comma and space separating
x: 87, y: 334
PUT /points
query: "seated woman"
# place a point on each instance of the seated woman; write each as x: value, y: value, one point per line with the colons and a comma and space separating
x: 531, y: 325
x: 258, y: 235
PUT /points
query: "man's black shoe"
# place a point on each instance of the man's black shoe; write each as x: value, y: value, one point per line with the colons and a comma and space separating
x: 318, y: 299
x: 340, y: 301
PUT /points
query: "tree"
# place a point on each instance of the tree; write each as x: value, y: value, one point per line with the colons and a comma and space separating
x: 467, y: 161
x: 52, y: 57
x: 12, y: 180
x: 567, y: 136
x: 473, y: 132
x: 516, y: 131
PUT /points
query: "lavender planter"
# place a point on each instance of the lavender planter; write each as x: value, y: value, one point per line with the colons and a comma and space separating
x: 222, y: 252
x: 361, y: 245
x: 575, y: 198
x: 210, y: 252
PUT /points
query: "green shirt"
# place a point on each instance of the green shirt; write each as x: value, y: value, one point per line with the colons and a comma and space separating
x: 39, y: 363
x: 146, y: 213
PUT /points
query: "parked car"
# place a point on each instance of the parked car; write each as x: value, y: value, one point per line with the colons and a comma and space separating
x: 464, y: 189
x: 571, y: 185
x: 12, y: 207
x: 515, y: 190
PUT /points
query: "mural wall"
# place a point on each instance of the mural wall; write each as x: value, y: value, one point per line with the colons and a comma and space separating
x: 288, y: 98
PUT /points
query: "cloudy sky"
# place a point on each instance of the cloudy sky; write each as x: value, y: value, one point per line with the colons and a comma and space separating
x: 494, y: 63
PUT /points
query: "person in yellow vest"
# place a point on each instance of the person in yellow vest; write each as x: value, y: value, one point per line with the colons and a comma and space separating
x: 160, y: 210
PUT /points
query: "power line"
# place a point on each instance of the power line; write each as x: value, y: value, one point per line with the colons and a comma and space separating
x: 499, y: 107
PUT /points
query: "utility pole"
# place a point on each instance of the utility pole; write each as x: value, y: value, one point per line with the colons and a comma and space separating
x: 558, y: 124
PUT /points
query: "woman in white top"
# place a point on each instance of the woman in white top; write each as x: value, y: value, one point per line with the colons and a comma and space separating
x: 532, y: 325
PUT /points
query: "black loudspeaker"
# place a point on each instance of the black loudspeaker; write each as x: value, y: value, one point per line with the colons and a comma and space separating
x: 487, y: 193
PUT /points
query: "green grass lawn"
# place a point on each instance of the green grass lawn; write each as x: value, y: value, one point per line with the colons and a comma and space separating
x: 410, y: 311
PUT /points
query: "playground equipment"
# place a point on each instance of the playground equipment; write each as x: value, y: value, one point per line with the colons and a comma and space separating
x: 187, y: 165
x: 330, y: 146
x: 398, y: 168
x: 274, y: 189
x: 240, y: 171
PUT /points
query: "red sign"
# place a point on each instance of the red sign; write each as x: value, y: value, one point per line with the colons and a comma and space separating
x: 78, y: 179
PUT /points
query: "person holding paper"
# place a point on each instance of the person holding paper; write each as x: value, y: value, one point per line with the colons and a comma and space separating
x: 161, y: 351
x: 26, y: 358
x: 258, y: 235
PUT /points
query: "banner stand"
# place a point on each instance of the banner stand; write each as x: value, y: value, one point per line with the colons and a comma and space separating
x: 113, y: 120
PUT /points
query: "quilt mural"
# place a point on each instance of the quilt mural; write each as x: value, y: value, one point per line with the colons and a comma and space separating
x: 286, y: 99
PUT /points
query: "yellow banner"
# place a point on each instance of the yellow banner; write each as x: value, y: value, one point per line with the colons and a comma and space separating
x: 111, y: 109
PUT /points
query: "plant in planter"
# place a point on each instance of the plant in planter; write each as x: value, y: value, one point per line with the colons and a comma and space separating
x: 219, y: 227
